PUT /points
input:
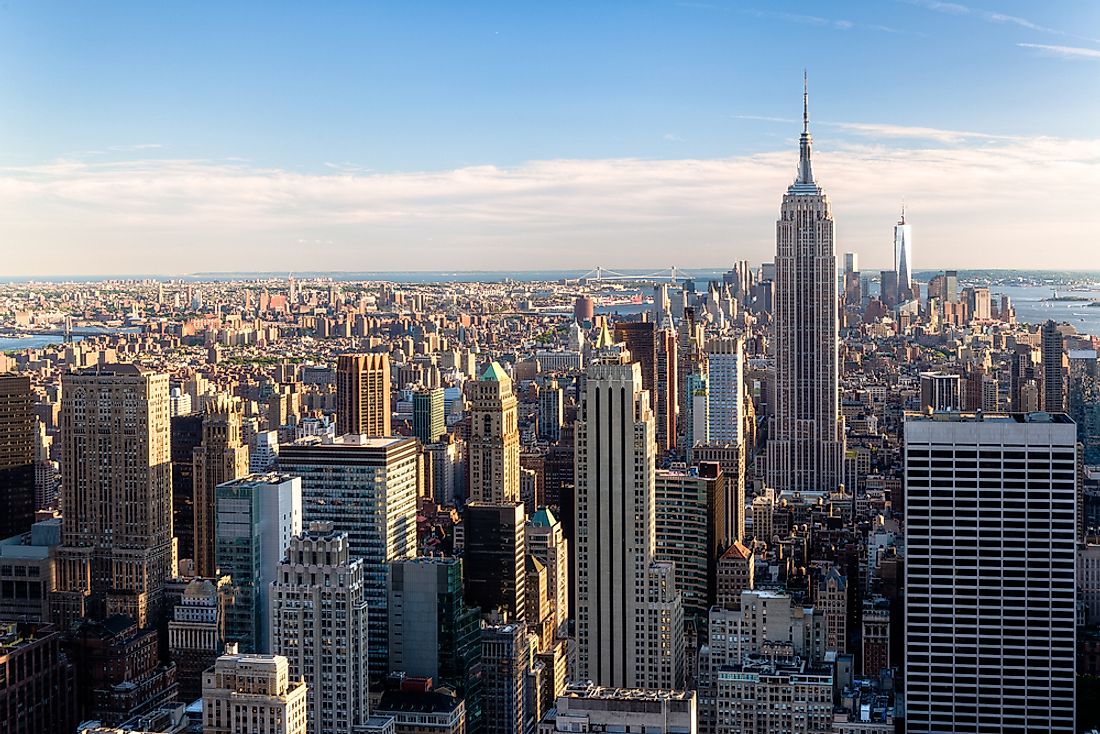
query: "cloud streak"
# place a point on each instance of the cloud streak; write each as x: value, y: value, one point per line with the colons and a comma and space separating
x: 991, y: 16
x: 1064, y: 52
x: 977, y: 204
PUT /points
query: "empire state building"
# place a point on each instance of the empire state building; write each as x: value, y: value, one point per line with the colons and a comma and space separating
x: 806, y: 433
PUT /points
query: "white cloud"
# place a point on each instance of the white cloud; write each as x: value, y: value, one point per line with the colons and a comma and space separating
x: 1019, y: 202
x: 911, y: 132
x: 1065, y: 52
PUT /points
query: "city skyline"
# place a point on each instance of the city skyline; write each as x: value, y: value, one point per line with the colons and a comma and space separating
x: 535, y: 160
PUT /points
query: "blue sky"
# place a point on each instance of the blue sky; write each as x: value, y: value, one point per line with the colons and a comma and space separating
x: 483, y: 128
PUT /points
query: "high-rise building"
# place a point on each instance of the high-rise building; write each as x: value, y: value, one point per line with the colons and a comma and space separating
x: 363, y: 394
x: 365, y: 487
x: 253, y: 694
x: 494, y: 554
x: 725, y: 391
x: 196, y: 633
x: 1083, y: 401
x: 37, y: 692
x: 17, y: 440
x: 116, y: 537
x: 494, y: 438
x: 186, y: 436
x: 319, y: 624
x: 806, y: 437
x: 629, y: 618
x: 28, y: 572
x: 832, y: 598
x: 1054, y: 381
x: 504, y: 659
x: 263, y: 454
x: 851, y: 262
x: 256, y: 516
x: 432, y: 632
x: 666, y: 389
x: 546, y: 541
x: 220, y: 458
x: 990, y: 624
x: 903, y: 258
x: 429, y: 422
x: 736, y: 572
x: 939, y: 392
x: 551, y: 411
x: 689, y: 531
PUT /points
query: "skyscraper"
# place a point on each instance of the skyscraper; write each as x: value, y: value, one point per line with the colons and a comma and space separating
x: 990, y: 617
x: 17, y: 437
x: 903, y: 258
x: 494, y: 558
x: 629, y: 618
x: 363, y: 394
x: 504, y: 659
x: 196, y: 633
x: 256, y: 517
x: 365, y: 487
x: 432, y: 631
x: 1054, y: 381
x: 116, y: 537
x: 220, y: 458
x: 319, y: 623
x: 248, y: 694
x: 551, y: 411
x: 186, y: 436
x: 806, y: 440
x: 494, y: 438
x: 429, y: 422
x: 666, y: 389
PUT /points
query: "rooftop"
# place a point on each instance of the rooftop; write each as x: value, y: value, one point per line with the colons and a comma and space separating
x: 979, y: 417
x: 591, y: 690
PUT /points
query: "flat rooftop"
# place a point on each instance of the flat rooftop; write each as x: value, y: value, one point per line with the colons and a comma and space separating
x: 977, y: 417
x: 582, y: 690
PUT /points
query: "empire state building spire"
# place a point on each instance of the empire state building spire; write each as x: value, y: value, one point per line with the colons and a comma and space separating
x: 805, y: 181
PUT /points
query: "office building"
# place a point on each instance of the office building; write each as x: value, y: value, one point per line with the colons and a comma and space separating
x: 429, y: 422
x: 626, y: 602
x: 494, y: 438
x: 196, y: 633
x: 253, y: 694
x: 185, y: 436
x: 116, y: 536
x: 263, y: 456
x: 725, y: 391
x: 939, y: 392
x: 545, y: 541
x: 504, y: 659
x: 256, y: 517
x: 37, y: 681
x: 28, y: 572
x: 415, y: 707
x: 319, y: 624
x: 806, y: 436
x: 666, y: 389
x: 774, y: 693
x: 432, y: 632
x: 119, y: 674
x: 735, y: 573
x: 588, y: 707
x: 1054, y: 381
x: 363, y: 394
x: 989, y: 624
x: 365, y: 487
x: 832, y: 597
x: 17, y: 443
x: 494, y: 553
x: 1083, y: 402
x: 551, y: 411
x: 875, y: 635
x: 686, y: 522
x: 220, y: 458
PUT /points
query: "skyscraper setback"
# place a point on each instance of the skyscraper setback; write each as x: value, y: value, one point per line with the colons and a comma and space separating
x: 806, y: 437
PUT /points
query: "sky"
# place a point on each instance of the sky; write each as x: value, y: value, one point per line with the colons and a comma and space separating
x: 182, y: 137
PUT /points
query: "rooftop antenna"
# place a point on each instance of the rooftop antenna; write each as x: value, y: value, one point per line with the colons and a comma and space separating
x: 805, y: 101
